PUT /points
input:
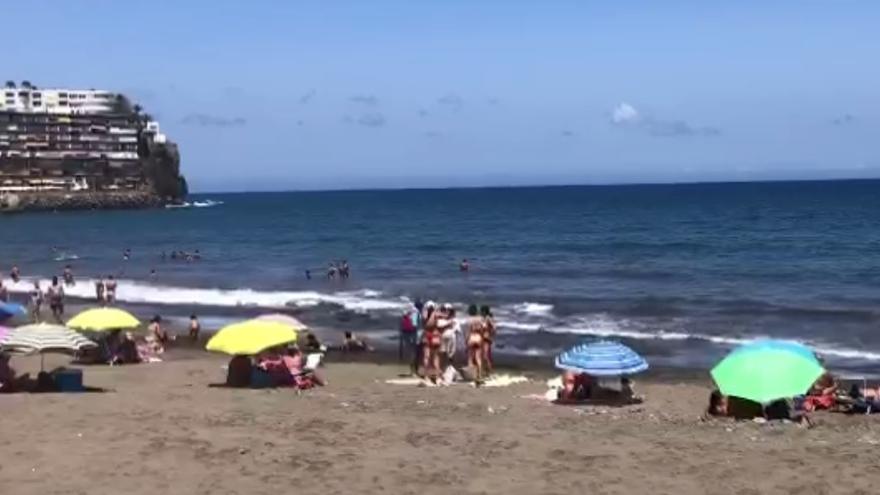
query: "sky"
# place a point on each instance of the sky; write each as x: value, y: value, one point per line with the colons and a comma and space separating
x: 281, y: 95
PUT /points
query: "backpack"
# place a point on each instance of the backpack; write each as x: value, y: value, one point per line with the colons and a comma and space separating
x: 407, y: 322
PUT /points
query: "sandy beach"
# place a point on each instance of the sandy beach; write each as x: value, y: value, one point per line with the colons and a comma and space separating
x: 163, y: 428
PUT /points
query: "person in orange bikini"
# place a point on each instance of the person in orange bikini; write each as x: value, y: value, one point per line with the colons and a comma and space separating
x: 475, y: 342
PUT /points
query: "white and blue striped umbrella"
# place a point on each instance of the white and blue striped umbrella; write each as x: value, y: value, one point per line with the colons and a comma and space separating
x: 602, y: 358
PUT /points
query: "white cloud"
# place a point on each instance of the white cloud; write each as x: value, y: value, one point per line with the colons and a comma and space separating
x: 624, y: 113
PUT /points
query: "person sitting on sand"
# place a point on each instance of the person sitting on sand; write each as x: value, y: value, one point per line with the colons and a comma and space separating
x: 354, y: 344
x: 293, y: 360
x: 313, y: 344
x: 127, y: 352
x: 823, y: 393
x: 272, y: 362
x: 575, y: 387
x: 238, y: 372
x: 7, y: 375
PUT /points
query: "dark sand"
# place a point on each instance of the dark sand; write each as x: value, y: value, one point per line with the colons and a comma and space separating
x: 161, y: 429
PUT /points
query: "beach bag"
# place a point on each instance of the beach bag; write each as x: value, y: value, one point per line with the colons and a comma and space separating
x: 407, y: 322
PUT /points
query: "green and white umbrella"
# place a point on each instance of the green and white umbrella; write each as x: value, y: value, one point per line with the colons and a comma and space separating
x: 765, y: 371
x: 42, y: 338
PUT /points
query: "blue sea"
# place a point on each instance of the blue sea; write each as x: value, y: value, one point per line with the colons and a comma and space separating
x: 679, y: 272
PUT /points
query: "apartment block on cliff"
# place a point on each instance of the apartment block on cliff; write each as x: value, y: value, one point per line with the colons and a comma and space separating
x: 71, y: 140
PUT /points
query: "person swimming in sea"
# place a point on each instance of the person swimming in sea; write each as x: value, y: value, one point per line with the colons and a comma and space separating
x: 464, y: 266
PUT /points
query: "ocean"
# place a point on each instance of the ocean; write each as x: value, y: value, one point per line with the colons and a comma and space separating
x: 679, y: 272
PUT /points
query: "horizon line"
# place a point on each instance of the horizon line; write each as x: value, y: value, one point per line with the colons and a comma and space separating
x: 542, y: 186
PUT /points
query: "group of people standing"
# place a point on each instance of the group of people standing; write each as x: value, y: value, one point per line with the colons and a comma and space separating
x: 433, y: 335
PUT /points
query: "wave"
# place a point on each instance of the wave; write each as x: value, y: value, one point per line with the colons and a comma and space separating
x: 131, y: 291
x: 517, y: 319
x: 606, y: 327
x: 195, y: 204
x: 532, y: 308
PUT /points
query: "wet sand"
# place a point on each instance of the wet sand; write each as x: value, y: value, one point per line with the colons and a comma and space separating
x: 161, y: 428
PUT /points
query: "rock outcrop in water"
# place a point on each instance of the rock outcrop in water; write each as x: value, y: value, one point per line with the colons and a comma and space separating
x: 83, y: 149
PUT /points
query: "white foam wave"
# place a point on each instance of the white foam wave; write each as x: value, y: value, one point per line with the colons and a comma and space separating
x: 533, y: 308
x: 138, y: 292
x: 605, y: 327
x: 195, y: 204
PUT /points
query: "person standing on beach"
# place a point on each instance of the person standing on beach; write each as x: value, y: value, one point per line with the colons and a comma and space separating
x: 55, y: 295
x: 475, y: 342
x: 68, y: 276
x: 431, y: 342
x: 99, y: 291
x: 15, y: 275
x: 488, y: 338
x: 194, y: 328
x: 110, y: 290
x: 36, y: 297
x: 409, y: 329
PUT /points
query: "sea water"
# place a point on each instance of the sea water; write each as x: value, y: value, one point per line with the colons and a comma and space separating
x: 679, y: 272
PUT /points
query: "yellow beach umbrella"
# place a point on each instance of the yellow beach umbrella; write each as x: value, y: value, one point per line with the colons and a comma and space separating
x: 99, y: 319
x: 250, y: 337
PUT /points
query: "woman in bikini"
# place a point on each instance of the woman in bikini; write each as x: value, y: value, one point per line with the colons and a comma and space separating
x: 488, y: 338
x: 475, y: 342
x: 431, y: 340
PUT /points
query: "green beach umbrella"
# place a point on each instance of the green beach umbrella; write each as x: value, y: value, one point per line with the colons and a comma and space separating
x: 766, y: 373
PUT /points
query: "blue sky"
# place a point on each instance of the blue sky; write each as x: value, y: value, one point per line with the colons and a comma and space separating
x: 266, y: 95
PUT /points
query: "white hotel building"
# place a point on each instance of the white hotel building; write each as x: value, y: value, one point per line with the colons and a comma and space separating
x: 70, y: 139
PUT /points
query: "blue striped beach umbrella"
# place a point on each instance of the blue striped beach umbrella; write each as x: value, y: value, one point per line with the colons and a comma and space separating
x: 8, y: 310
x: 602, y: 358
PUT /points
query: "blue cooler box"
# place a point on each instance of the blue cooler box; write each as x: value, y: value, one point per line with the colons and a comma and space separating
x: 69, y: 380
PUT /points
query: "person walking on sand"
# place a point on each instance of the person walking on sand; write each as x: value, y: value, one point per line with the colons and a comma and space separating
x: 36, y: 299
x: 55, y: 295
